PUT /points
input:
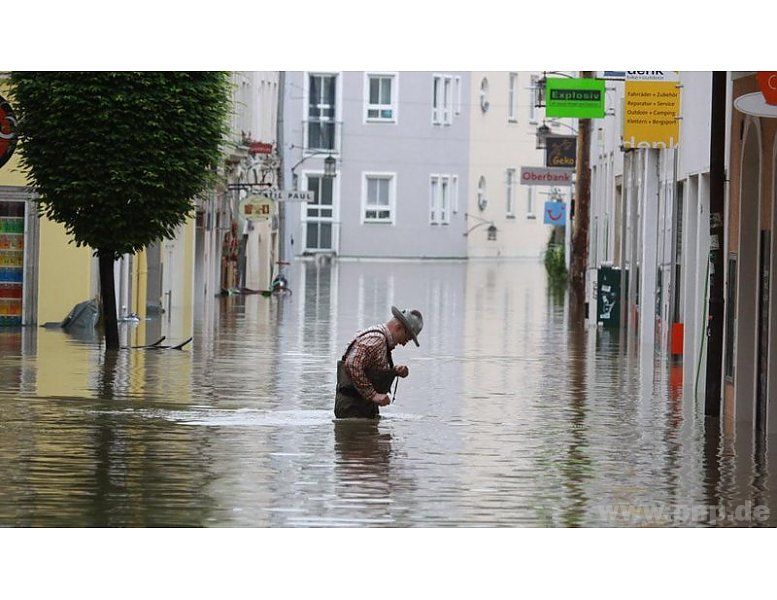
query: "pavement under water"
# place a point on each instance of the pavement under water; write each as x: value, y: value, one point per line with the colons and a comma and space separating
x: 510, y: 417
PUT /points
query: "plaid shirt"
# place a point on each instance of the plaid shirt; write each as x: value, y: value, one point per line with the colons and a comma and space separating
x: 369, y: 351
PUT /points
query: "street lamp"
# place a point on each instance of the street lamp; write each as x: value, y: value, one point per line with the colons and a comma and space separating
x: 555, y: 123
x: 539, y: 87
x: 330, y: 167
x: 542, y: 136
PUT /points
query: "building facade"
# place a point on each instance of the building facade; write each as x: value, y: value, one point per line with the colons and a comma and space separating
x: 231, y: 252
x: 400, y: 141
x: 651, y: 217
x: 505, y: 218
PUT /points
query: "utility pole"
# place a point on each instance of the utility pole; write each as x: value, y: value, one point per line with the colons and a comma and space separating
x: 580, y: 224
x: 717, y: 201
x: 281, y: 176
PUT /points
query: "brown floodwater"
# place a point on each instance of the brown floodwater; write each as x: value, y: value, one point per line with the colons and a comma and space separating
x: 509, y: 417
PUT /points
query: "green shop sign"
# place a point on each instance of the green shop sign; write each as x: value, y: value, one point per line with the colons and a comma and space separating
x: 580, y: 98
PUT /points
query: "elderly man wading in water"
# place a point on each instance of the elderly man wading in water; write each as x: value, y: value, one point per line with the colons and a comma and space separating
x: 366, y: 371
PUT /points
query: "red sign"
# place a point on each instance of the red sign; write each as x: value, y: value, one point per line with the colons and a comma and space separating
x: 7, y: 131
x: 767, y: 81
x: 259, y: 148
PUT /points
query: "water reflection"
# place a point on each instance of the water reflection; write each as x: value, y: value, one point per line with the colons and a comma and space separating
x: 511, y: 415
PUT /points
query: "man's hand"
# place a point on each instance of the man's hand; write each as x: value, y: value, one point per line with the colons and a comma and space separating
x: 382, y: 399
x: 401, y: 370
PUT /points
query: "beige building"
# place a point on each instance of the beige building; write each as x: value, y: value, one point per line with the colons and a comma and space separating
x: 504, y: 218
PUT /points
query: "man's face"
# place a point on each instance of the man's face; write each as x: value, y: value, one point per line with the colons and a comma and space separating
x: 402, y: 336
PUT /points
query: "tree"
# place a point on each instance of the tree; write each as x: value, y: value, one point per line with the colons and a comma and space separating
x: 118, y: 157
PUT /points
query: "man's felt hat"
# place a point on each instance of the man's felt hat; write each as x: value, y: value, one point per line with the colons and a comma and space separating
x: 412, y: 321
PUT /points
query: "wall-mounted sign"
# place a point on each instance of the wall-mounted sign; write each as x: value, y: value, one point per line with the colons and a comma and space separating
x: 650, y: 114
x: 259, y: 148
x: 291, y: 195
x: 256, y: 208
x: 763, y: 103
x: 7, y: 131
x: 546, y: 176
x: 555, y: 213
x: 561, y: 151
x: 580, y: 98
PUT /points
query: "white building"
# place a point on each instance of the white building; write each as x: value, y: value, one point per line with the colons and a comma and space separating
x: 400, y: 142
x: 649, y: 217
x: 251, y: 158
x: 505, y: 218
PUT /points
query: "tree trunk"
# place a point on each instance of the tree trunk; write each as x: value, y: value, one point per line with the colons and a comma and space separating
x: 108, y: 294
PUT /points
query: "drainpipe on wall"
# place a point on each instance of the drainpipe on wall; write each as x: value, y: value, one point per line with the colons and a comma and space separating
x: 281, y: 178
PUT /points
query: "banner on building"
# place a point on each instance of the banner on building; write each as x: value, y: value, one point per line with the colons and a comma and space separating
x: 650, y: 114
x: 561, y: 151
x: 256, y: 208
x: 7, y: 131
x: 546, y: 176
x: 555, y: 213
x: 579, y: 98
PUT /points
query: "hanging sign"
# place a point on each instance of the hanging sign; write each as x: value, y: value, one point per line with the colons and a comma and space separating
x: 256, y: 208
x: 767, y: 81
x: 561, y: 151
x: 555, y: 213
x: 546, y: 176
x: 650, y: 115
x: 763, y: 103
x: 580, y: 98
x: 7, y: 131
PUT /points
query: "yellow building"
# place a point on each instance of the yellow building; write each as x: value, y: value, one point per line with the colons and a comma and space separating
x: 56, y: 275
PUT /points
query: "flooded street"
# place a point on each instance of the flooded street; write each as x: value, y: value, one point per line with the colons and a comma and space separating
x: 509, y: 417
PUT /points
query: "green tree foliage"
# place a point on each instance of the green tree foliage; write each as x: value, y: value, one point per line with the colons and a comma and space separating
x: 118, y: 157
x: 555, y: 265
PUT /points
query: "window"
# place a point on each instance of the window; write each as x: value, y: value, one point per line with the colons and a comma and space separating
x: 510, y: 205
x: 532, y: 98
x: 380, y: 97
x: 530, y: 203
x: 458, y: 94
x: 378, y: 205
x: 321, y: 112
x: 512, y: 98
x: 437, y: 100
x: 319, y: 214
x: 447, y: 114
x: 442, y: 100
x: 484, y: 104
x: 482, y: 200
x: 445, y: 200
x: 731, y: 311
x: 433, y: 202
x: 455, y: 193
x: 442, y: 192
